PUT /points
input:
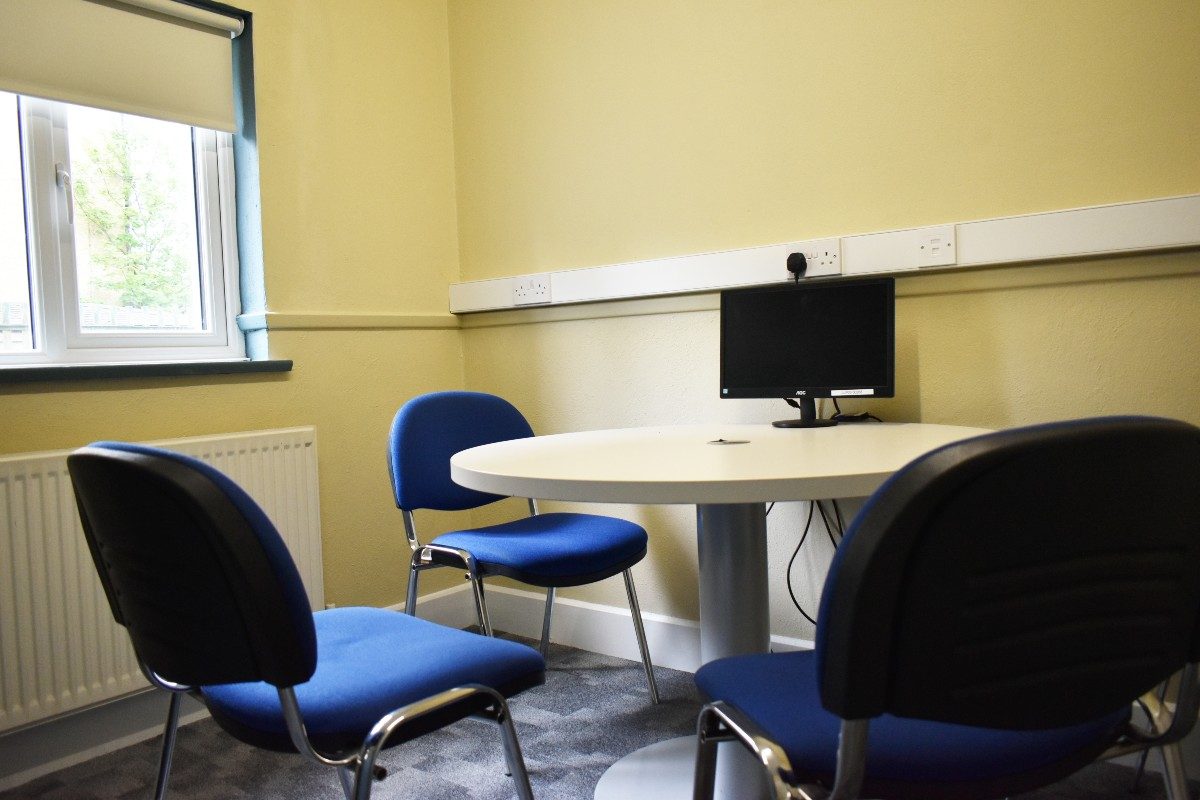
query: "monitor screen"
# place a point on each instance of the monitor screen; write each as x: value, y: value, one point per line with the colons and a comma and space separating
x: 816, y: 338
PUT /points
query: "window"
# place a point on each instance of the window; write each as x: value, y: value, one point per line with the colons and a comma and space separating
x: 116, y: 237
x: 117, y: 233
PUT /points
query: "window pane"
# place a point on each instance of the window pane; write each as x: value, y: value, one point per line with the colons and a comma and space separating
x: 15, y: 333
x: 136, y: 253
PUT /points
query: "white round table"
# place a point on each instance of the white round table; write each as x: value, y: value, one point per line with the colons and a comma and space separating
x: 729, y: 472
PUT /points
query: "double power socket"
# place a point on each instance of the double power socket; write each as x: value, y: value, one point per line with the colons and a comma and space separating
x: 824, y: 256
x: 531, y: 290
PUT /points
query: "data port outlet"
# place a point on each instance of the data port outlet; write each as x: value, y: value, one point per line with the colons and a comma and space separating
x: 935, y: 246
x: 824, y: 257
x: 531, y: 290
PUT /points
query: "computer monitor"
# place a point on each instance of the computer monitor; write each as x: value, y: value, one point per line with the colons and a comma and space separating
x: 816, y: 338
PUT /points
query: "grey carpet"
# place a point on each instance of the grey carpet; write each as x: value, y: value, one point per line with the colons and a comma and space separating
x: 592, y: 710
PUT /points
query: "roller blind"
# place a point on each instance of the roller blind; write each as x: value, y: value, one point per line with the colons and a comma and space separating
x: 153, y: 58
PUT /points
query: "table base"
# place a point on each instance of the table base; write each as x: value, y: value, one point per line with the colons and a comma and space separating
x: 664, y: 771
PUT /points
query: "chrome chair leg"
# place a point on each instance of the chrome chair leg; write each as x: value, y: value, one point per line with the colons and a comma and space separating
x: 410, y: 601
x: 1174, y: 774
x: 363, y: 780
x: 168, y: 747
x: 545, y: 647
x: 704, y: 780
x: 641, y: 635
x: 347, y: 780
x: 720, y: 722
x: 512, y: 754
x: 481, y: 611
x: 1141, y: 770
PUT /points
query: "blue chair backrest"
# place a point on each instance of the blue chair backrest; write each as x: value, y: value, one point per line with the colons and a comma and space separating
x: 192, y: 568
x: 1032, y: 578
x: 429, y: 429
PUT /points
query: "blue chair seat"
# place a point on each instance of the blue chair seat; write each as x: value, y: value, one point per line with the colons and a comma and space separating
x: 545, y: 550
x: 905, y: 757
x: 370, y: 661
x: 553, y: 549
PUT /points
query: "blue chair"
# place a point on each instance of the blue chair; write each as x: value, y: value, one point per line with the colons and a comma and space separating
x: 988, y: 623
x: 199, y: 577
x: 546, y: 550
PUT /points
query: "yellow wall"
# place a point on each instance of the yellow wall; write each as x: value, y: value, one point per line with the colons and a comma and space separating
x: 358, y: 218
x: 605, y: 131
x: 407, y: 145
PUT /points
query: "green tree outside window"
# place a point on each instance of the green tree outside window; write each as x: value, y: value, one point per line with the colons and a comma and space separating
x: 130, y: 212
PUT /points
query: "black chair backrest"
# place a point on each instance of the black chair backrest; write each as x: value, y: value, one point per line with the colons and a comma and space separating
x: 1032, y: 578
x: 192, y: 568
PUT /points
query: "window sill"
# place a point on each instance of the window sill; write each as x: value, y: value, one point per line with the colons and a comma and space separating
x: 163, y: 369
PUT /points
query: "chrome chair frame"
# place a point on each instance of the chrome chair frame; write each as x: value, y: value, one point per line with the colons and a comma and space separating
x: 943, y: 539
x: 1169, y: 721
x: 176, y: 691
x: 358, y: 770
x: 423, y: 558
x: 188, y: 490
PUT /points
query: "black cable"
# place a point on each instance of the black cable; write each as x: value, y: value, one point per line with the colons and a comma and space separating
x: 828, y: 526
x: 792, y: 560
x: 769, y: 509
x: 832, y: 523
x: 839, y: 416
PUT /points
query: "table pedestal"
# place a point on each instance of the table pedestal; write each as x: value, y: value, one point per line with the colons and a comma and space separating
x: 729, y: 471
x: 734, y: 620
x: 735, y: 613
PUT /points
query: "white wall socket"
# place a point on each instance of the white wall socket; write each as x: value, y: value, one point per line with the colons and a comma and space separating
x: 895, y: 251
x: 935, y: 247
x: 824, y: 257
x: 529, y: 290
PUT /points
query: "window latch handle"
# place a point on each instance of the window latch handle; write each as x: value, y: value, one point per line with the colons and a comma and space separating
x: 63, y: 179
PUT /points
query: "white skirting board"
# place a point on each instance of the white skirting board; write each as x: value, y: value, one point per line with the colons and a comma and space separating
x: 40, y: 749
x: 673, y: 642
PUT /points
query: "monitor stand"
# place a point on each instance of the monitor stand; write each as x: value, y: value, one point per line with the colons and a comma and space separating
x: 808, y: 415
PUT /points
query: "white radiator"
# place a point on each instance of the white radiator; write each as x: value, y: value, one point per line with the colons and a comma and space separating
x: 60, y: 649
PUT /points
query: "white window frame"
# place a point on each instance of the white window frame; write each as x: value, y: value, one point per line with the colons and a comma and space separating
x: 54, y: 311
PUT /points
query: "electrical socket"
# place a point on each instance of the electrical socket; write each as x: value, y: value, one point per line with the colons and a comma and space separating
x: 529, y: 290
x: 824, y: 256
